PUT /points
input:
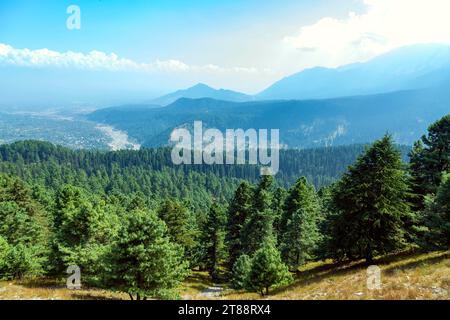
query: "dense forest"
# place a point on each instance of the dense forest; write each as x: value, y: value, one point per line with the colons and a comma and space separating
x: 135, y: 223
x: 152, y: 173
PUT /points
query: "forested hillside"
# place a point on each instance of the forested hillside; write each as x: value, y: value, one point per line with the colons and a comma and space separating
x: 302, y: 123
x: 138, y: 225
x: 151, y: 170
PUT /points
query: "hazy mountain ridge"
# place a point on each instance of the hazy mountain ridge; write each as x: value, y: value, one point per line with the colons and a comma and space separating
x: 411, y: 67
x: 302, y: 123
x: 201, y: 90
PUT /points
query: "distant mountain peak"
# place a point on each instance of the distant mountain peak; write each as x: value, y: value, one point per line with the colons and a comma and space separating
x: 410, y: 67
x: 201, y: 90
x: 201, y: 85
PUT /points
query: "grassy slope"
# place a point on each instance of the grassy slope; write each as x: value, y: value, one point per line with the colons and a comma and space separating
x: 404, y: 276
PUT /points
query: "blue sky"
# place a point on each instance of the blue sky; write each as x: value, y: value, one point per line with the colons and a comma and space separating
x: 156, y: 29
x: 154, y: 46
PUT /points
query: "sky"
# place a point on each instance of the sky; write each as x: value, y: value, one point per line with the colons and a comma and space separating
x: 136, y: 50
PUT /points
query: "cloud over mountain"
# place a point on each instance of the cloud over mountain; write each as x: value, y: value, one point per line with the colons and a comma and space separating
x: 98, y: 60
x: 386, y: 24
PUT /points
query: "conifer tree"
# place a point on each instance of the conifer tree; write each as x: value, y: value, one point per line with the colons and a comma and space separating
x: 213, y: 239
x: 84, y: 227
x: 437, y: 216
x: 279, y: 198
x: 24, y: 229
x: 241, y: 272
x: 301, y: 238
x: 299, y: 224
x: 267, y: 269
x: 371, y: 202
x: 259, y: 227
x: 4, y: 252
x: 430, y: 158
x: 143, y: 262
x: 238, y: 214
x: 417, y: 176
x: 180, y: 223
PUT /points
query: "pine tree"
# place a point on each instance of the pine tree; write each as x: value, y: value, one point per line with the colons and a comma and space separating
x: 241, y: 272
x: 181, y: 224
x: 267, y: 269
x: 371, y: 200
x: 238, y: 214
x: 417, y: 180
x: 279, y: 198
x: 4, y: 252
x: 430, y: 158
x: 259, y: 227
x: 213, y: 240
x: 301, y: 238
x: 299, y: 224
x: 437, y: 216
x: 84, y: 230
x: 328, y: 215
x: 24, y: 229
x: 143, y: 262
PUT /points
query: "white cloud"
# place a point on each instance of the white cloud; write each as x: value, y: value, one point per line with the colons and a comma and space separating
x: 386, y: 24
x: 97, y: 60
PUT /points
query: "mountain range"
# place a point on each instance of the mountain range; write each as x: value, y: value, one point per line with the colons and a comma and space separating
x: 302, y: 123
x: 401, y: 92
x: 411, y: 67
x: 406, y: 68
x: 201, y: 90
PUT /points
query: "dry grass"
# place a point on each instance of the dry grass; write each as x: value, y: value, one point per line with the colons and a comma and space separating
x: 51, y: 289
x: 404, y: 276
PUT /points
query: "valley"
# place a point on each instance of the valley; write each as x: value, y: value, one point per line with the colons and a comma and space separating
x: 70, y: 131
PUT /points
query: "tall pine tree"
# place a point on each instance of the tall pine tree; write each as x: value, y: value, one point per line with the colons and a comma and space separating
x: 371, y: 202
x: 238, y: 214
x: 143, y: 262
x: 430, y: 158
x: 299, y: 224
x: 259, y: 227
x: 437, y: 216
x: 213, y: 240
x: 267, y: 269
x: 181, y: 224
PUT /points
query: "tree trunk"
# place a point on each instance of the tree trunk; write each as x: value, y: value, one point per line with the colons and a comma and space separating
x: 267, y: 290
x: 131, y: 296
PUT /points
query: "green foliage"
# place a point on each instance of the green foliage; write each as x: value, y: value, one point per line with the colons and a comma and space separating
x: 181, y: 224
x: 301, y: 238
x: 238, y: 214
x: 151, y: 171
x: 430, y: 158
x: 279, y: 198
x: 143, y: 261
x: 267, y: 269
x: 4, y: 251
x: 299, y: 224
x: 23, y: 261
x: 241, y: 272
x: 24, y: 229
x: 437, y: 216
x: 97, y: 210
x: 85, y: 228
x: 371, y: 202
x: 213, y: 240
x: 259, y: 227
